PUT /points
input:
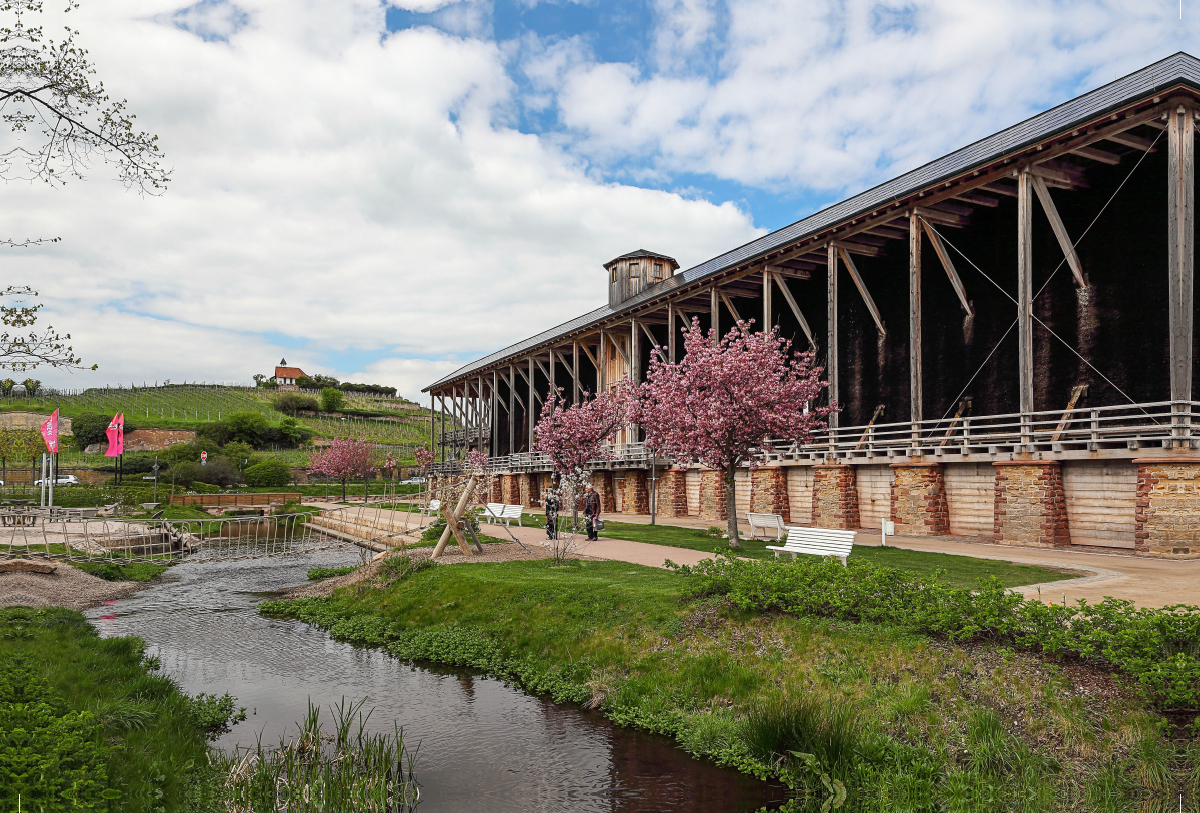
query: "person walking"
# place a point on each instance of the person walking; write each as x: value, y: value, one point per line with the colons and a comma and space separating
x: 591, y: 510
x: 550, y: 500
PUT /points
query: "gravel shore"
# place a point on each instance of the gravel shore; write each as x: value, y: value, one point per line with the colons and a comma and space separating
x: 66, y: 587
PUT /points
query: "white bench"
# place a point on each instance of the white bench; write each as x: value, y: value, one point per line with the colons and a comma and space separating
x: 434, y: 508
x: 502, y: 512
x: 816, y: 542
x: 767, y: 522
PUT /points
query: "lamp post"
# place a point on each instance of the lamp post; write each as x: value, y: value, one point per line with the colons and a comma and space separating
x: 155, y: 470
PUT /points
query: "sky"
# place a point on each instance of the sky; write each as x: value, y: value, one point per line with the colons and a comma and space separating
x: 384, y: 191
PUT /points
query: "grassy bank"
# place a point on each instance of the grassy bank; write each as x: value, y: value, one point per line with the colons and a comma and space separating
x: 895, y: 719
x: 88, y: 724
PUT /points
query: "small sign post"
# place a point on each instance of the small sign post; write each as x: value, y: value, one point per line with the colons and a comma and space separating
x: 204, y: 458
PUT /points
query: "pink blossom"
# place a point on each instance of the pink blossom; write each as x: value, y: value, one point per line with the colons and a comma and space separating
x: 725, y: 399
x: 477, y: 462
x: 574, y: 436
x: 424, y: 456
x: 343, y: 458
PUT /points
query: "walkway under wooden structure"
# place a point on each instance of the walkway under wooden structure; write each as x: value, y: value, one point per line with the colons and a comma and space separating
x: 1009, y: 331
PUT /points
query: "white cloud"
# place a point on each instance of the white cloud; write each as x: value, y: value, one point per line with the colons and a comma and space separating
x: 337, y: 196
x: 836, y: 94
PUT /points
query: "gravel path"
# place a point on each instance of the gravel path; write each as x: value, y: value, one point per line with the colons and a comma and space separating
x: 66, y: 587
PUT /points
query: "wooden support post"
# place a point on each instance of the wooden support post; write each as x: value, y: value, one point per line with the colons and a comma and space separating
x: 553, y: 374
x: 831, y: 351
x: 532, y: 403
x: 715, y: 308
x: 512, y: 409
x: 652, y: 338
x: 768, y: 321
x: 1060, y: 231
x: 671, y: 331
x: 575, y: 372
x: 452, y: 523
x: 442, y: 436
x: 791, y: 300
x: 1025, y: 301
x: 916, y: 388
x: 635, y: 352
x: 939, y: 248
x: 432, y: 421
x: 601, y: 350
x: 1181, y: 199
x: 862, y: 289
x: 495, y: 413
x: 479, y: 410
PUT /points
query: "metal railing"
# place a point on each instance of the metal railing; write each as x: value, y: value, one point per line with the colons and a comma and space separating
x: 1158, y: 424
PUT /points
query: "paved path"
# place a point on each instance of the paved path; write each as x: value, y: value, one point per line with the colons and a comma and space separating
x: 1147, y: 582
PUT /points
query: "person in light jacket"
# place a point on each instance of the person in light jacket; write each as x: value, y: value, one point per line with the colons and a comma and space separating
x: 591, y: 510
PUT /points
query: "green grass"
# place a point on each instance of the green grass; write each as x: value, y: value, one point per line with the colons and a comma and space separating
x: 958, y: 571
x: 901, y: 721
x: 143, y: 732
x: 128, y: 572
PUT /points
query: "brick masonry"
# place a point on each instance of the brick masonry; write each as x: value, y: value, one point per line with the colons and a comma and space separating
x: 712, y: 496
x: 835, y: 498
x: 497, y: 490
x: 529, y: 490
x: 510, y: 490
x: 636, y: 497
x: 1030, y: 506
x: 1167, y: 508
x: 768, y: 492
x: 919, y: 505
x: 602, y: 482
x: 672, y: 493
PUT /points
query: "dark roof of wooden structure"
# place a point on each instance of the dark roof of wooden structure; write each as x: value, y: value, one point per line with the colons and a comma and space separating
x: 1178, y: 69
x: 639, y: 254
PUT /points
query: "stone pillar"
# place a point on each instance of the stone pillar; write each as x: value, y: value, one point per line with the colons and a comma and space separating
x: 637, y: 497
x: 768, y: 492
x: 1167, y: 517
x: 1030, y: 507
x: 602, y: 482
x: 835, y: 497
x: 919, y: 500
x: 511, y: 489
x: 545, y: 483
x: 672, y: 493
x: 497, y: 490
x: 712, y: 496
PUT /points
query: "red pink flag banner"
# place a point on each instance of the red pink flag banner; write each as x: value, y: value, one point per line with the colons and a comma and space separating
x: 116, y: 435
x: 50, y: 433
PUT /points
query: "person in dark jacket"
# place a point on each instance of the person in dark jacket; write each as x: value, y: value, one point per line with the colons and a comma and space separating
x: 550, y: 500
x: 591, y: 510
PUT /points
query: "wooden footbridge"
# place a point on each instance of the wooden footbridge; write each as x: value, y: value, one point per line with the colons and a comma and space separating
x: 164, y: 541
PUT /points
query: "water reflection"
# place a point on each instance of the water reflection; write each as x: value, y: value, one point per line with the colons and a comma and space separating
x: 483, y: 745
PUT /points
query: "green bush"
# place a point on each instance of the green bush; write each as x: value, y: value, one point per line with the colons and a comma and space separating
x: 332, y: 400
x: 89, y: 428
x: 1156, y: 650
x: 218, y: 472
x: 292, y: 402
x: 240, y: 454
x: 268, y: 474
x: 247, y: 427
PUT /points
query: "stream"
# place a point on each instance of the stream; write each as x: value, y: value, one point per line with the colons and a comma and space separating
x: 484, y: 746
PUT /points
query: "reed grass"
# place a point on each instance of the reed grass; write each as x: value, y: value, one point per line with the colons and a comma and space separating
x: 347, y: 771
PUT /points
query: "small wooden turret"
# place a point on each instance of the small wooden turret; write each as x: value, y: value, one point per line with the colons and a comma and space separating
x: 632, y: 273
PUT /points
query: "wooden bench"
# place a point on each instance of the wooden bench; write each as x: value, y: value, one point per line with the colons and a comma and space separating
x: 816, y: 542
x: 502, y: 512
x: 767, y: 522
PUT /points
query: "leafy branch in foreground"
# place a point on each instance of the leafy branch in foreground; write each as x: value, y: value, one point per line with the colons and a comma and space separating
x: 59, y: 115
x: 21, y: 352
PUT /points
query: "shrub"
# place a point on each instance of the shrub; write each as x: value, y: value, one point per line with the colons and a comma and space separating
x: 288, y: 433
x: 240, y: 454
x: 247, y: 427
x: 1156, y: 650
x: 332, y: 400
x: 89, y: 428
x: 292, y: 402
x: 268, y: 474
x: 215, y: 433
x: 218, y: 472
x: 372, y: 388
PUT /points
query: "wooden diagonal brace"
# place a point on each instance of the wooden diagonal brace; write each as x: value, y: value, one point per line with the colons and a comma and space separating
x: 452, y: 522
x: 862, y: 289
x: 653, y: 341
x: 795, y: 309
x: 562, y: 360
x: 588, y: 353
x: 1060, y: 231
x: 939, y: 248
x: 729, y: 304
x: 620, y: 349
